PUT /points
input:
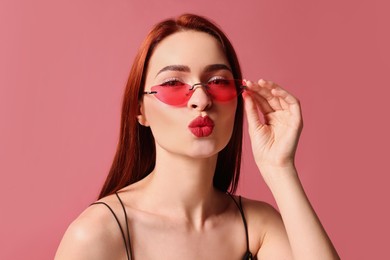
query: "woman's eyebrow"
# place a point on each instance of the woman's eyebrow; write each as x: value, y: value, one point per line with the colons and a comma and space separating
x: 214, y: 67
x: 182, y: 68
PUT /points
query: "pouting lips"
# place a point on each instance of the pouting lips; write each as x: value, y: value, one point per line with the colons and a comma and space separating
x: 201, y: 126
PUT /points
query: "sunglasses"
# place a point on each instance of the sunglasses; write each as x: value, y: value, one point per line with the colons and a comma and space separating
x: 177, y: 93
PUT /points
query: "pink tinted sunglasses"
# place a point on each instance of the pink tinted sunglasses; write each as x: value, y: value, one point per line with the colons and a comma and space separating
x: 177, y: 93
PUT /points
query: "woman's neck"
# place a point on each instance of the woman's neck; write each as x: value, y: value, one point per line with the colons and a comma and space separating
x: 184, y: 186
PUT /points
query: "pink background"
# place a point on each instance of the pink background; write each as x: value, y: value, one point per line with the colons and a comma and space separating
x: 63, y: 66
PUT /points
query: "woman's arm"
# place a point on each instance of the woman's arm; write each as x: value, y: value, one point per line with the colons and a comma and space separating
x: 274, y: 139
x: 307, y: 237
x: 93, y: 235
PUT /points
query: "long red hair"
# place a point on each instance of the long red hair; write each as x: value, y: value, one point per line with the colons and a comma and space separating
x: 135, y: 155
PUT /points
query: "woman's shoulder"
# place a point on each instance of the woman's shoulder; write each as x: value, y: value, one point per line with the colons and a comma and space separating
x: 259, y: 210
x: 94, y: 233
x: 265, y: 223
x: 261, y: 216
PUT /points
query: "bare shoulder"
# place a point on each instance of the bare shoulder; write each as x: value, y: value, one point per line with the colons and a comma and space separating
x: 260, y: 208
x: 268, y: 229
x: 95, y: 234
x: 260, y: 213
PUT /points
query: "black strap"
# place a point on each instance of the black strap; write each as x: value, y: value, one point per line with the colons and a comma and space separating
x: 127, y: 226
x: 248, y: 254
x: 128, y: 248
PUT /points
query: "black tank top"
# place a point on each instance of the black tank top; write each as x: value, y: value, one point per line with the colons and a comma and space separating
x: 127, y: 244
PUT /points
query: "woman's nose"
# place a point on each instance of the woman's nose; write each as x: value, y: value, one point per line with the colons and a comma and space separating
x: 200, y: 98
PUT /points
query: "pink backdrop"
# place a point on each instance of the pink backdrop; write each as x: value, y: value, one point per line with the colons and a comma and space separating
x: 63, y: 66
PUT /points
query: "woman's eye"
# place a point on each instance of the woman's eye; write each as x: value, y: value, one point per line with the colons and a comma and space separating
x: 219, y: 82
x: 172, y: 83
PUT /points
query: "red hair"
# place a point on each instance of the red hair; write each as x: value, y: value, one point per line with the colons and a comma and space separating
x: 135, y: 155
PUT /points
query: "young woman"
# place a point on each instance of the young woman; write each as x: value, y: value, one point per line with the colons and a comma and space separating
x: 169, y: 194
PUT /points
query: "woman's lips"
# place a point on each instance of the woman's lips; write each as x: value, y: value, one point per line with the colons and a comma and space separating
x: 201, y: 126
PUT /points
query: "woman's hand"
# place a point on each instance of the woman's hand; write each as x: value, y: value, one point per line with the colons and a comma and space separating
x: 274, y: 122
x: 274, y: 137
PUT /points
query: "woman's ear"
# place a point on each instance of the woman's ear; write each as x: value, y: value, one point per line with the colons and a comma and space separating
x: 141, y: 116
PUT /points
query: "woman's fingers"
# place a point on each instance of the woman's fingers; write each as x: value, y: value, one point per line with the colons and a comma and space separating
x: 259, y: 95
x: 288, y: 101
x: 271, y: 97
x: 264, y: 89
x: 268, y: 97
x: 251, y: 112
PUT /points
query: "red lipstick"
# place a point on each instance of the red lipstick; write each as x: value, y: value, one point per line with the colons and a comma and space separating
x: 201, y: 126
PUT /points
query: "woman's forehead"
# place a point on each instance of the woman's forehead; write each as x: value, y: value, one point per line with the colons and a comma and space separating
x: 191, y: 49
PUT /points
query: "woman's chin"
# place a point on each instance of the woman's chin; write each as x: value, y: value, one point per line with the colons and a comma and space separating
x: 204, y: 151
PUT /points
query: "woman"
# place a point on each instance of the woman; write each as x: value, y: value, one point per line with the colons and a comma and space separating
x: 169, y: 191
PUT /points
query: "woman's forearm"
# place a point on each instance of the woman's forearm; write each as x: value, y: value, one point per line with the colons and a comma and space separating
x: 307, y: 237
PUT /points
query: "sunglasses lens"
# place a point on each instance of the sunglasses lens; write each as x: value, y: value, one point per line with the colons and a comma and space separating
x: 176, y: 95
x: 223, y: 90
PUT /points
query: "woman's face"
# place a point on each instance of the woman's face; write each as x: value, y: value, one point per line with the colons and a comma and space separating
x: 188, y: 57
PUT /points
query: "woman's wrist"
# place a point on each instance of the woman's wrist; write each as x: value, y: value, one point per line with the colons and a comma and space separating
x: 274, y: 174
